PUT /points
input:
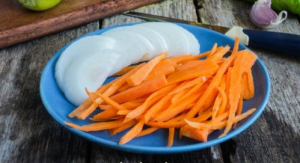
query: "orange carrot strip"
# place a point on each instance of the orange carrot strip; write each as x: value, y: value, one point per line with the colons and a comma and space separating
x: 215, y: 82
x: 124, y: 70
x: 181, y: 58
x: 153, y: 98
x: 140, y: 90
x: 146, y: 132
x: 165, y: 62
x: 171, y: 136
x: 132, y: 132
x: 113, y: 87
x: 110, y: 101
x: 105, y: 115
x: 105, y: 107
x: 188, y: 84
x: 140, y: 75
x: 177, y: 108
x: 208, y: 68
x: 165, y: 70
x: 124, y: 87
x: 236, y: 45
x: 197, y: 134
x: 189, y: 65
x: 123, y: 112
x: 97, y: 126
x: 219, y: 54
x: 157, y: 107
x: 88, y: 102
x: 248, y: 91
x: 244, y: 61
x: 123, y: 127
x: 178, y: 95
x: 167, y: 124
x: 235, y: 120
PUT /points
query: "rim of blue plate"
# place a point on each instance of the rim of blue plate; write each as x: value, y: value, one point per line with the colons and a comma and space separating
x: 154, y: 150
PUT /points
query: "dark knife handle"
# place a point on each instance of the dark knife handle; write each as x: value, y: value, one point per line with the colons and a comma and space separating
x: 286, y: 44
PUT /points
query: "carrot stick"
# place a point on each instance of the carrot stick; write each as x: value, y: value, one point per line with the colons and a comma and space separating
x: 177, y: 108
x: 188, y: 84
x: 140, y: 90
x: 215, y: 82
x: 140, y: 75
x: 235, y: 120
x: 248, y: 90
x: 88, y: 102
x: 124, y: 70
x: 97, y: 126
x: 181, y: 58
x: 244, y: 61
x: 171, y: 136
x: 153, y: 98
x: 197, y: 134
x: 207, y: 68
x: 105, y: 115
x: 113, y: 87
x: 236, y: 45
x: 164, y: 70
x: 132, y: 132
x: 157, y: 107
x: 146, y: 132
x: 123, y: 127
x: 219, y: 54
x: 110, y: 101
x: 167, y: 124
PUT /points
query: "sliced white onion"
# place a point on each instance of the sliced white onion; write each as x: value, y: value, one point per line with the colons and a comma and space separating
x: 176, y: 40
x: 132, y: 46
x: 88, y: 72
x: 82, y: 47
x: 193, y: 44
x: 154, y: 38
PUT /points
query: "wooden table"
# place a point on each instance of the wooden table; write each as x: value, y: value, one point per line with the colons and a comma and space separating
x: 29, y: 134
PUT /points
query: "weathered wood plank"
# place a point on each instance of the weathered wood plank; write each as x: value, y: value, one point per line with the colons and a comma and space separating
x: 28, y: 133
x: 275, y: 135
x: 176, y: 9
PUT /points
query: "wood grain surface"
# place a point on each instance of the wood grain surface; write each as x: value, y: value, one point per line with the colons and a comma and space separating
x: 20, y: 24
x: 29, y: 134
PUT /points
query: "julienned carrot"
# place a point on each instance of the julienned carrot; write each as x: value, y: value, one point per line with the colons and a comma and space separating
x: 235, y: 120
x: 157, y: 107
x: 197, y: 134
x: 244, y: 61
x: 140, y: 75
x: 112, y: 88
x: 88, y: 102
x: 248, y: 91
x: 97, y: 126
x: 124, y: 70
x: 140, y: 90
x: 171, y: 136
x: 211, y: 87
x: 105, y: 115
x: 219, y: 54
x: 207, y: 68
x: 146, y: 132
x: 164, y: 70
x: 198, y: 97
x: 123, y: 127
x: 132, y: 132
x: 152, y: 99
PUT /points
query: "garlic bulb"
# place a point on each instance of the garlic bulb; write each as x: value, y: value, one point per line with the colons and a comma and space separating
x: 263, y: 16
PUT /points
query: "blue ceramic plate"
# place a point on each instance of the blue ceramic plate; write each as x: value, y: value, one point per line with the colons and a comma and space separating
x: 59, y: 107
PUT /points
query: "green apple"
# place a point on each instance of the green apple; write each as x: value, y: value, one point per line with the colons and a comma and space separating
x: 39, y: 5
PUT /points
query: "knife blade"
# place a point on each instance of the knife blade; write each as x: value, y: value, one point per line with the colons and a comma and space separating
x: 285, y: 43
